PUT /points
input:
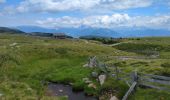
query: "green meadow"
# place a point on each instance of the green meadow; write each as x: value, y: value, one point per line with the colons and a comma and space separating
x: 27, y: 63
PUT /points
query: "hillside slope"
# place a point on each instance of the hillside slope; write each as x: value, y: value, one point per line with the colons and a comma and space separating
x: 10, y: 30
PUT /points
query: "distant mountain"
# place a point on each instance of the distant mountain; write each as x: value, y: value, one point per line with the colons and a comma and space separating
x: 10, y: 30
x: 30, y: 29
x: 103, y: 32
x: 75, y: 32
x: 142, y: 32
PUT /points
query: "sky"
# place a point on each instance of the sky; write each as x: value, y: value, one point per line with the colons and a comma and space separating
x: 91, y: 13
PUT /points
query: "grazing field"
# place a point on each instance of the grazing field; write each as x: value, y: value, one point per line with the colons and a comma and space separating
x: 28, y: 63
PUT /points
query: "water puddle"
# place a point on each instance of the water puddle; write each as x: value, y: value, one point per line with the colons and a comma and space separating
x: 66, y: 90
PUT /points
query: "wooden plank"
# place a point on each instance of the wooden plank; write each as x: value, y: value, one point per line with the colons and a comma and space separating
x: 155, y: 81
x: 125, y: 97
x: 154, y: 87
x: 157, y: 77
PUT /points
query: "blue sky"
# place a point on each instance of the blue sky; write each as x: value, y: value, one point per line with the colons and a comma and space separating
x: 92, y: 13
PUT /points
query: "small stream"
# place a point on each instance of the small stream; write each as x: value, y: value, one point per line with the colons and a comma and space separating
x: 66, y: 90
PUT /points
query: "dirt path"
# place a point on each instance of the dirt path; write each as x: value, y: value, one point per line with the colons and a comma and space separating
x: 119, y: 43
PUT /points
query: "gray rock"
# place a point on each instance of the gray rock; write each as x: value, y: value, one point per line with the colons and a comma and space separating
x: 102, y: 79
x: 84, y: 79
x: 1, y: 94
x: 114, y: 98
x: 94, y: 74
x: 92, y: 85
x: 60, y: 90
x: 86, y: 65
x: 87, y: 80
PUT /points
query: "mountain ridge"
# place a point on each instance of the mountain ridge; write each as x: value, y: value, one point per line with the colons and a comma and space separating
x: 104, y: 32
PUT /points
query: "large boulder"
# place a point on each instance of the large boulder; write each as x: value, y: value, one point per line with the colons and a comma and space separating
x: 102, y: 79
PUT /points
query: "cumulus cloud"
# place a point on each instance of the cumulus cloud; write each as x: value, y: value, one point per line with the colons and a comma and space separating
x: 2, y: 1
x: 64, y: 5
x: 125, y: 4
x: 105, y: 21
x: 92, y: 21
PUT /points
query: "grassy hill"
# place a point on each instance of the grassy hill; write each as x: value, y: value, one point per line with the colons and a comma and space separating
x: 27, y: 61
x: 10, y: 31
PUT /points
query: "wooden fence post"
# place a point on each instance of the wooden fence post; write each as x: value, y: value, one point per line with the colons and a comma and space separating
x: 117, y: 72
x: 134, y: 76
x: 133, y: 86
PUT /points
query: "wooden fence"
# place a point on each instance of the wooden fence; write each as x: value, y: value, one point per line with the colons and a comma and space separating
x: 135, y: 79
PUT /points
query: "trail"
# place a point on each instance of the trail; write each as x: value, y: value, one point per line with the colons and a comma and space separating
x: 119, y: 43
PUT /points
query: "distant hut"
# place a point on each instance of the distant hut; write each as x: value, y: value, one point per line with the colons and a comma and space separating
x: 61, y: 36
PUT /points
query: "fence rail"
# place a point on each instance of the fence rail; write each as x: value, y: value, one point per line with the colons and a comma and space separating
x: 135, y: 79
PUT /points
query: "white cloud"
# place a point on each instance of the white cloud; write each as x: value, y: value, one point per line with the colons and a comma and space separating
x: 160, y: 21
x: 8, y: 10
x: 125, y: 4
x: 56, y: 5
x: 92, y: 21
x: 64, y: 5
x: 105, y: 21
x: 2, y: 1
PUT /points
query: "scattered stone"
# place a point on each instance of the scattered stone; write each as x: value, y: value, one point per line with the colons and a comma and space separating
x: 92, y: 85
x: 114, y: 98
x: 60, y: 90
x: 86, y: 65
x: 13, y: 44
x: 29, y: 89
x: 94, y: 74
x: 102, y: 79
x: 87, y: 80
x: 1, y: 94
x: 71, y: 83
x: 113, y: 75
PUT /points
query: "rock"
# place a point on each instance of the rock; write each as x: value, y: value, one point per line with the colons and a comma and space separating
x: 92, y: 85
x: 87, y: 80
x: 94, y: 74
x: 13, y: 44
x: 84, y: 79
x: 70, y: 83
x: 1, y: 94
x: 102, y: 79
x: 60, y: 90
x: 29, y: 89
x: 86, y: 65
x: 114, y: 98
